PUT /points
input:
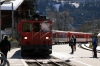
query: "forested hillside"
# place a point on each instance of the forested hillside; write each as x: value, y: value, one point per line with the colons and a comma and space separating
x: 66, y: 14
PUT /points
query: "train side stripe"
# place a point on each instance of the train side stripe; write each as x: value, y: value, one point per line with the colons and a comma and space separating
x: 44, y: 35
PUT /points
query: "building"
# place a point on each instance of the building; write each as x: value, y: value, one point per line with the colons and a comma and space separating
x: 13, y: 11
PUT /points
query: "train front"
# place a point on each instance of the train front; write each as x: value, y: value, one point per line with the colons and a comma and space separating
x: 36, y: 36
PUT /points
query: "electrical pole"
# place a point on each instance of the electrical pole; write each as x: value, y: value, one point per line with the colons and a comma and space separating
x: 12, y: 21
x: 12, y: 30
x: 0, y: 20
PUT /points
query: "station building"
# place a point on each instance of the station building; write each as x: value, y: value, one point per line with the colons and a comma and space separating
x: 12, y: 11
x: 17, y: 8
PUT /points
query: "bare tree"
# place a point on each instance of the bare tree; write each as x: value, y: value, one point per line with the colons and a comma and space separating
x: 64, y: 20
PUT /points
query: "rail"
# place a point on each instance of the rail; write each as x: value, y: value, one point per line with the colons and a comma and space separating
x: 5, y: 61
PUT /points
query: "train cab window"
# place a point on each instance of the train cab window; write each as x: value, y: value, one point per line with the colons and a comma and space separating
x: 36, y: 27
x: 26, y: 27
x: 45, y: 27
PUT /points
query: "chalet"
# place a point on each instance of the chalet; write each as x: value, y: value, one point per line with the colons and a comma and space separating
x: 13, y: 9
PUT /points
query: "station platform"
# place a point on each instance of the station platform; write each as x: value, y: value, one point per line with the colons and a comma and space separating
x: 83, y: 56
x: 86, y: 46
x: 14, y: 58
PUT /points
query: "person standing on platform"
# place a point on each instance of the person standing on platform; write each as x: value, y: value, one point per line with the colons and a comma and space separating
x: 74, y: 43
x: 95, y: 43
x: 71, y: 44
x: 5, y: 46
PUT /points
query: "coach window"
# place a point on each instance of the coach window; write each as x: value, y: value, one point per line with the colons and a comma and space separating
x: 36, y: 27
x: 64, y: 36
x: 26, y: 27
x: 60, y: 35
x: 45, y: 27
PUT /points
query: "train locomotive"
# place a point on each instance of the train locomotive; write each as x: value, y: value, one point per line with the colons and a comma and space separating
x: 64, y: 37
x: 35, y: 35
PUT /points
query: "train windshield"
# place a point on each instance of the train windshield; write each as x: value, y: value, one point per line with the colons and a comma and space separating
x: 26, y: 27
x: 36, y: 27
x: 45, y: 27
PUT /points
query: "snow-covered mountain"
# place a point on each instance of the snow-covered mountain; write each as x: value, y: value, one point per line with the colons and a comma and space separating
x: 79, y: 10
x: 79, y: 1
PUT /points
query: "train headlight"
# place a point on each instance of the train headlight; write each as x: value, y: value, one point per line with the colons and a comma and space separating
x: 25, y: 38
x: 47, y: 37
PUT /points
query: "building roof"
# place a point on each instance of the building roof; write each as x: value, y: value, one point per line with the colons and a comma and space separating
x: 2, y: 0
x: 8, y: 5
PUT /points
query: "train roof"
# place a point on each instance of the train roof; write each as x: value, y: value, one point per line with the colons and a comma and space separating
x: 62, y: 31
x: 35, y: 20
x: 59, y: 31
x: 81, y: 32
x: 69, y: 31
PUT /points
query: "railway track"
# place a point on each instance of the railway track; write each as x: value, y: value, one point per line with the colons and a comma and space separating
x: 45, y: 61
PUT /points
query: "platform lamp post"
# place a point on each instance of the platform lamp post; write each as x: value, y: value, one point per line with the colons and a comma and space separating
x: 12, y: 18
x: 1, y: 2
x: 0, y: 20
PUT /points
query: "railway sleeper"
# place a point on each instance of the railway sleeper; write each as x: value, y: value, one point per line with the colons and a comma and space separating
x: 54, y: 63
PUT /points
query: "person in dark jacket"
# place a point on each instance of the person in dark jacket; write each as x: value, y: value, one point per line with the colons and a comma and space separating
x: 94, y: 43
x: 5, y: 46
x: 74, y: 43
x: 71, y: 44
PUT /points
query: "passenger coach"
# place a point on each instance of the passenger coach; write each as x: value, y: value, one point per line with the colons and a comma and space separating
x: 64, y: 37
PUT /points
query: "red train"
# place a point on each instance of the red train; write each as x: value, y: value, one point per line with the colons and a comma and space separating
x: 36, y: 35
x: 64, y: 36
